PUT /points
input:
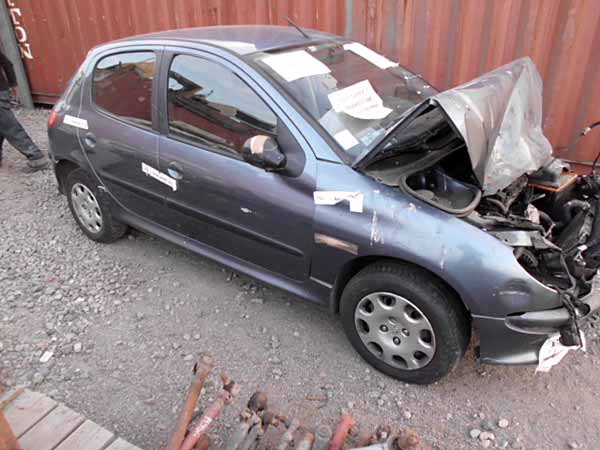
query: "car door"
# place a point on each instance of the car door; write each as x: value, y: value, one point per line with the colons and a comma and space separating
x: 121, y: 139
x: 264, y: 218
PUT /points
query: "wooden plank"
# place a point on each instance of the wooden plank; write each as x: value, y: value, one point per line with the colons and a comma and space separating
x: 52, y: 430
x: 120, y: 444
x: 26, y: 410
x: 88, y: 436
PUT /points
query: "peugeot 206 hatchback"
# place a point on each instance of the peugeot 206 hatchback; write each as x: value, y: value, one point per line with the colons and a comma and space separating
x: 314, y: 164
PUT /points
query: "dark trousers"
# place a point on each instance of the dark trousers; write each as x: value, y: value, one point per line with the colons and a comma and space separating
x: 13, y: 131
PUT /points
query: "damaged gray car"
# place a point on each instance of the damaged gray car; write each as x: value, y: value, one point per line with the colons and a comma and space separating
x: 321, y: 167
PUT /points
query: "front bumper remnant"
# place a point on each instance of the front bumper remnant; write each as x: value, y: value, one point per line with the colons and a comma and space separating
x: 518, y: 338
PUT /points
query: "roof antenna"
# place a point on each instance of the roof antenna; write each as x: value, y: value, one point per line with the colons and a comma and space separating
x: 292, y: 23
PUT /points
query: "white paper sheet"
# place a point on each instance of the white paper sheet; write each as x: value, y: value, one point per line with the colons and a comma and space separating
x: 373, y: 57
x: 334, y: 197
x: 359, y: 100
x: 552, y: 352
x: 295, y: 65
x: 345, y: 139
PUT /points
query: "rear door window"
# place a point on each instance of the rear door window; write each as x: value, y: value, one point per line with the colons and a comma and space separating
x: 211, y: 106
x: 122, y: 86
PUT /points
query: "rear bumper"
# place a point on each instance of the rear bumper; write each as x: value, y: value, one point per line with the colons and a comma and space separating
x: 517, y: 339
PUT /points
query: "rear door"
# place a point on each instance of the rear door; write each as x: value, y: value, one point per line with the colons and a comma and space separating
x: 121, y: 139
x: 264, y: 218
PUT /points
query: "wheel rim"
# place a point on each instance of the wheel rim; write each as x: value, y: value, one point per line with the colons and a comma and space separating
x: 86, y: 208
x: 395, y: 330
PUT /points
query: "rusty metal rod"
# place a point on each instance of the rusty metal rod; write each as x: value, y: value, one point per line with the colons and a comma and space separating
x: 8, y: 441
x: 288, y: 436
x: 306, y: 441
x: 341, y: 432
x: 212, y: 413
x: 201, y: 372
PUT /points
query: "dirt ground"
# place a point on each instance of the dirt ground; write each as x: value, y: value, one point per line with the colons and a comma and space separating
x: 125, y: 321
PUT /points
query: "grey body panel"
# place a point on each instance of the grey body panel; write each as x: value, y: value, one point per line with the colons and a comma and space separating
x: 265, y: 224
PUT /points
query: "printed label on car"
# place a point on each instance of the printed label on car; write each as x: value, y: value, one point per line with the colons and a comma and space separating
x: 75, y: 122
x: 158, y: 175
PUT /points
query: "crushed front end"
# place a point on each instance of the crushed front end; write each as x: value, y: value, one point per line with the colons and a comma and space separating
x: 551, y: 219
x: 478, y: 152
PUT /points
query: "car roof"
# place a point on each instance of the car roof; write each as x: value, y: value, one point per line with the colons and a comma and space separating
x: 240, y: 39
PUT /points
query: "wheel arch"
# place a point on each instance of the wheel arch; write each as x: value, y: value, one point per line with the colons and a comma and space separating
x: 62, y: 169
x: 352, y: 267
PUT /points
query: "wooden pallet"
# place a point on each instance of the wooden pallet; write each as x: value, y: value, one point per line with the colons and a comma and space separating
x: 40, y: 423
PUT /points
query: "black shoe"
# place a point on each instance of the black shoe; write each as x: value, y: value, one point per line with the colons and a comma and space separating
x: 35, y: 166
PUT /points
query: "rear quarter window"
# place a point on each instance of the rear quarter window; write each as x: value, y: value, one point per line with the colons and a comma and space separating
x: 122, y: 86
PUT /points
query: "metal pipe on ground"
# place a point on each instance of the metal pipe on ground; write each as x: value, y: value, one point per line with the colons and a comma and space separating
x: 201, y: 372
x: 306, y: 441
x: 341, y: 432
x: 8, y: 441
x: 13, y: 52
x: 288, y: 436
x: 211, y: 414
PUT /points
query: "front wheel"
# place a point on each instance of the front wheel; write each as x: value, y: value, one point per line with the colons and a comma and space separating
x: 405, y: 322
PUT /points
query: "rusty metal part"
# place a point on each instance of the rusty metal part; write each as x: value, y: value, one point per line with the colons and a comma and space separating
x: 248, y: 420
x: 200, y: 371
x: 306, y: 441
x: 258, y: 402
x: 341, y: 432
x: 211, y: 414
x: 8, y: 441
x: 288, y: 436
x: 408, y: 439
x: 203, y: 443
x: 404, y: 440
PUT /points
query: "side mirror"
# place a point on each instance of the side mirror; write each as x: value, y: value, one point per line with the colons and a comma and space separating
x: 263, y: 151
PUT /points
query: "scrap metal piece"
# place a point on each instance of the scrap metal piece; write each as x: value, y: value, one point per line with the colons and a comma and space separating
x: 252, y: 425
x: 201, y: 371
x: 203, y: 443
x: 341, y: 432
x: 211, y: 414
x: 306, y: 441
x: 288, y: 436
x: 404, y: 440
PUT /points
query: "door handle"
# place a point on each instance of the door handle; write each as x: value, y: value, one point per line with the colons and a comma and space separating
x: 90, y: 140
x: 175, y: 170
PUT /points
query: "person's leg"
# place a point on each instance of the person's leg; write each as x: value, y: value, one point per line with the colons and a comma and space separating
x: 16, y: 134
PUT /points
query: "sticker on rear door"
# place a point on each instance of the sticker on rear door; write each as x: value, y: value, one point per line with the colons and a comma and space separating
x: 158, y: 175
x: 75, y: 122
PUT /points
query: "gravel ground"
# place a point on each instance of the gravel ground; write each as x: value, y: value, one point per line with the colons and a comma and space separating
x: 124, y: 321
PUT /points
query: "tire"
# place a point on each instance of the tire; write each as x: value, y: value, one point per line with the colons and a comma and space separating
x: 391, y: 311
x: 90, y: 208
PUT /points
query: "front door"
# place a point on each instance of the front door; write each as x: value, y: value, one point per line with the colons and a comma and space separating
x: 264, y: 218
x: 121, y: 141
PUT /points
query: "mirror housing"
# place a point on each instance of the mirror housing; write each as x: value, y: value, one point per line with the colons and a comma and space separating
x: 263, y: 151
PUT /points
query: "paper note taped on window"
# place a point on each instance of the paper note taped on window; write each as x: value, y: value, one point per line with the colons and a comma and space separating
x: 373, y: 57
x: 295, y: 65
x: 359, y: 100
x: 345, y: 139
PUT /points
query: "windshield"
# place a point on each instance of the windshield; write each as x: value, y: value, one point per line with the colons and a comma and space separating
x: 355, y: 94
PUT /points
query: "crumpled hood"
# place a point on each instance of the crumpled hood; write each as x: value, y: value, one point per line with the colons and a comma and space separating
x: 499, y: 115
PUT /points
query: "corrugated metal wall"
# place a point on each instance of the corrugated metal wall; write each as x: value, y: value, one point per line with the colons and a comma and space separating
x: 447, y: 41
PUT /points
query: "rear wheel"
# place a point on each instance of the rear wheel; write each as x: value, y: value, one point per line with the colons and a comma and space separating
x: 90, y: 209
x: 405, y: 322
